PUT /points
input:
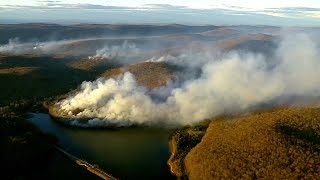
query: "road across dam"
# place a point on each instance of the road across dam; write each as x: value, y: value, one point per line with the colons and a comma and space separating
x: 90, y: 167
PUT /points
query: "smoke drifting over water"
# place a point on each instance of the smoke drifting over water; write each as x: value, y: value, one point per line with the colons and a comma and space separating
x: 234, y: 83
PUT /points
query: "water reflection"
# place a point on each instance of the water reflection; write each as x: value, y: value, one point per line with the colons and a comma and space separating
x: 127, y: 153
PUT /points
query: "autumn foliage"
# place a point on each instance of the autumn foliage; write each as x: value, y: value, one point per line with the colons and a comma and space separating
x: 278, y: 144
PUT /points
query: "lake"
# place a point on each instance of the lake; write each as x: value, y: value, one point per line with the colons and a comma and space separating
x: 126, y: 153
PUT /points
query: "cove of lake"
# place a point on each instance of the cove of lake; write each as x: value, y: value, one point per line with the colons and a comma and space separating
x: 126, y: 153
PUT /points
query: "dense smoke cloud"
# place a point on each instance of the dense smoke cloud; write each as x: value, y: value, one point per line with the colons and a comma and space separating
x: 234, y: 83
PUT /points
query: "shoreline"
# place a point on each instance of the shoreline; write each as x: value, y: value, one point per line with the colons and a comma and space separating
x: 180, y: 144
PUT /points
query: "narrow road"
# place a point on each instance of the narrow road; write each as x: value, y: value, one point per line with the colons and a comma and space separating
x: 92, y: 168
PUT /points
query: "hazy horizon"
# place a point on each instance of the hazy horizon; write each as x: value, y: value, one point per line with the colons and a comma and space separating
x: 203, y: 12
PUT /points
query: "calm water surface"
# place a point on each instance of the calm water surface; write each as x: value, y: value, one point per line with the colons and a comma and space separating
x: 126, y: 153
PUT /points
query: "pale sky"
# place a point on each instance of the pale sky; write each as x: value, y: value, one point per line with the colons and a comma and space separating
x: 270, y: 12
x: 254, y: 4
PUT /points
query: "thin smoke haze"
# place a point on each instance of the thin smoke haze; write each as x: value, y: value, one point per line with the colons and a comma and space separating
x: 16, y: 47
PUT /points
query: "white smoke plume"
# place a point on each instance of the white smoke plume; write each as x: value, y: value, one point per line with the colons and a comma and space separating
x: 16, y: 47
x: 232, y: 84
x: 114, y: 51
x: 55, y: 47
x: 187, y: 59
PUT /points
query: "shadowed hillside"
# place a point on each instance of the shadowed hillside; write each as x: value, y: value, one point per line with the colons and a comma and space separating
x: 35, y: 77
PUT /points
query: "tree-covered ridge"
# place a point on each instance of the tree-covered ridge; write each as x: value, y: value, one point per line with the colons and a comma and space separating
x: 277, y: 144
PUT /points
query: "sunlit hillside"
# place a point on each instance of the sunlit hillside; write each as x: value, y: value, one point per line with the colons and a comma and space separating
x: 282, y: 143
